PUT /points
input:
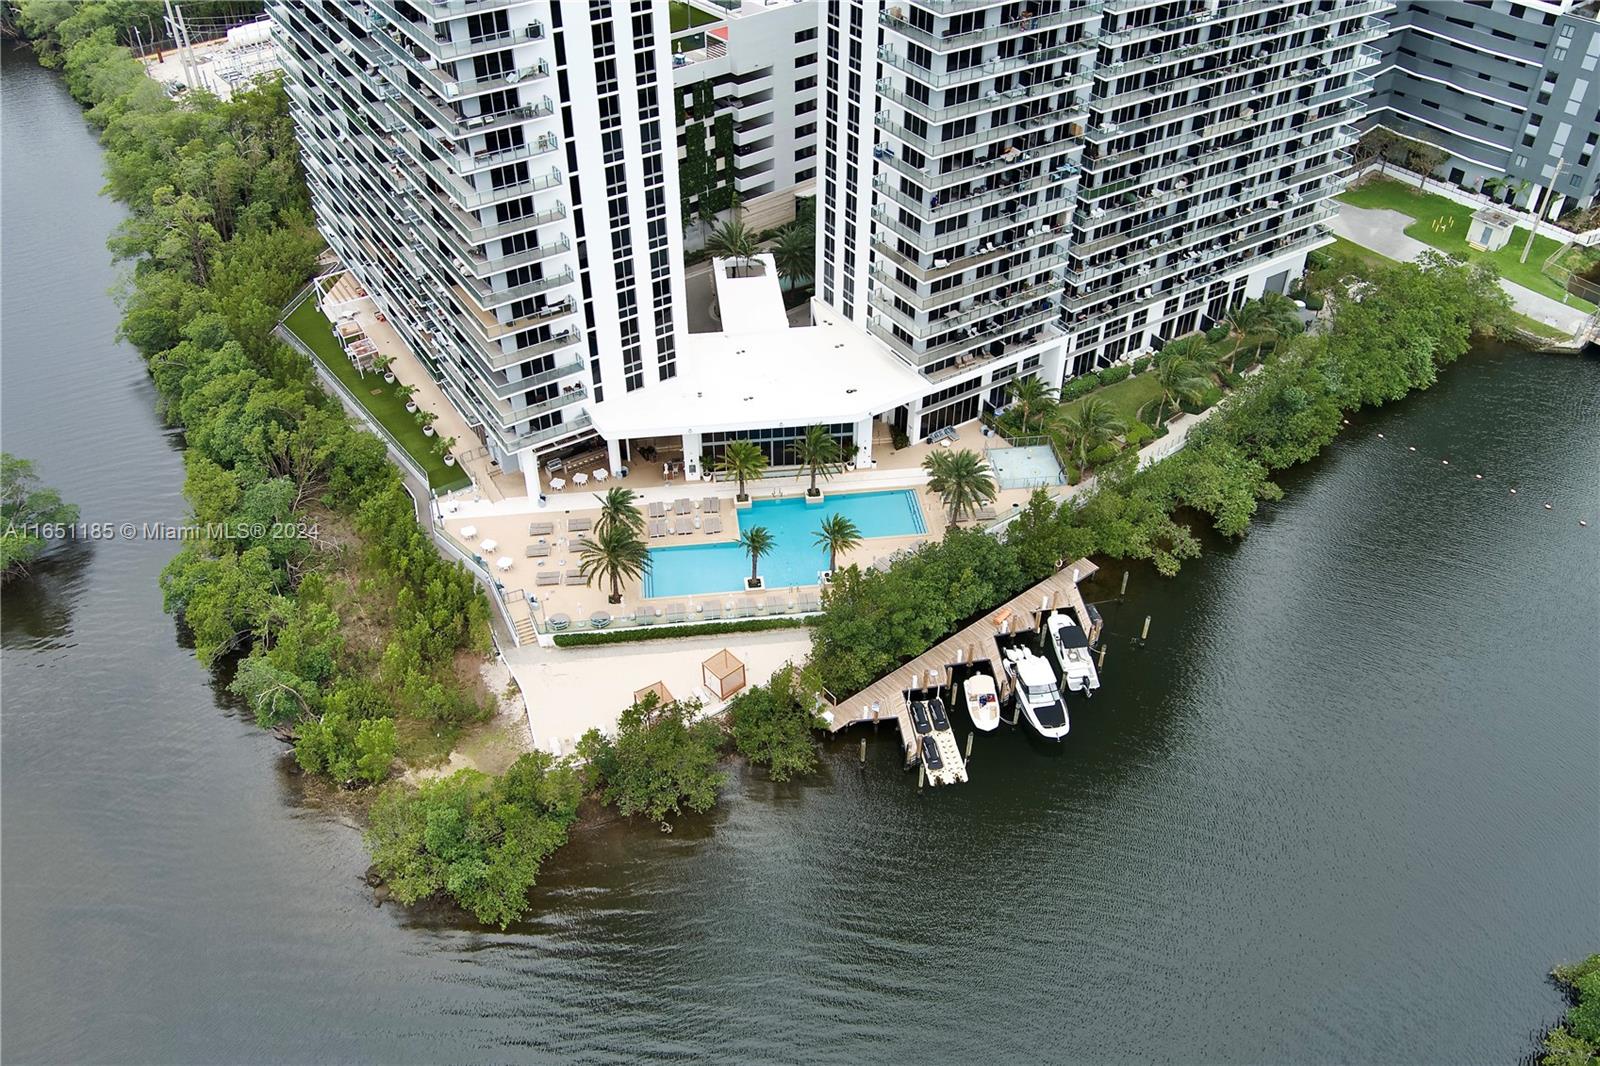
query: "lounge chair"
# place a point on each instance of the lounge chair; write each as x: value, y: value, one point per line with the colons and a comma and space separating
x: 579, y: 525
x: 675, y: 612
x: 683, y: 506
x: 547, y: 577
x: 713, y: 610
x: 537, y: 551
x: 658, y: 528
x: 986, y: 514
x: 777, y: 605
x: 685, y: 525
x: 711, y: 505
x: 575, y: 577
x: 810, y: 601
x: 541, y: 529
x: 658, y: 510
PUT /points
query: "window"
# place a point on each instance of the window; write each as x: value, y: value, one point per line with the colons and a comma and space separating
x: 806, y: 35
x: 805, y: 83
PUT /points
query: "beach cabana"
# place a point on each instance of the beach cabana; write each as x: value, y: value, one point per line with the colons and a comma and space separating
x: 723, y: 674
x: 663, y: 697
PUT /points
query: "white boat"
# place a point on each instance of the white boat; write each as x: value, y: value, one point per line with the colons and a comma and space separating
x: 1037, y: 694
x: 1071, y: 647
x: 983, y: 702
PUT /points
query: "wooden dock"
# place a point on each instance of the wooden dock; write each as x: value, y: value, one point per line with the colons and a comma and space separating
x: 885, y: 699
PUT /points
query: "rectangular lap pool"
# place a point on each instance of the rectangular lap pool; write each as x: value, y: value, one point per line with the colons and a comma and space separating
x: 795, y: 559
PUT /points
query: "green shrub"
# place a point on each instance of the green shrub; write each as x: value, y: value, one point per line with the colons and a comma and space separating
x: 1206, y: 399
x: 1314, y: 301
x: 772, y: 723
x: 1080, y: 386
x: 1318, y: 260
x: 899, y: 439
x: 1217, y: 334
x: 1102, y: 454
x: 625, y: 636
x: 660, y: 761
x: 1138, y: 433
x: 1141, y: 364
x: 1113, y: 374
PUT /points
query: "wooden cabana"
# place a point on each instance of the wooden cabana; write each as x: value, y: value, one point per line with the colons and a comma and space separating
x: 658, y: 689
x: 723, y: 674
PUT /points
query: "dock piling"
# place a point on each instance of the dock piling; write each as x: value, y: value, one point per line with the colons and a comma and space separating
x: 922, y: 775
x: 864, y: 751
x: 1101, y: 665
x: 968, y: 755
x: 1144, y: 634
x: 1124, y: 593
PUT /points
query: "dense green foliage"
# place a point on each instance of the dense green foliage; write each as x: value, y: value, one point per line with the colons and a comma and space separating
x: 475, y: 839
x: 1576, y: 1042
x: 962, y: 480
x: 772, y: 723
x: 313, y: 565
x: 652, y: 632
x: 660, y: 761
x: 27, y: 510
x: 1412, y: 320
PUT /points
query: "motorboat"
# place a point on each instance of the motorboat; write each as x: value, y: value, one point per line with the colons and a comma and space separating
x: 1071, y: 647
x: 983, y: 702
x: 1037, y: 693
x: 930, y: 754
x: 941, y: 720
x: 919, y: 718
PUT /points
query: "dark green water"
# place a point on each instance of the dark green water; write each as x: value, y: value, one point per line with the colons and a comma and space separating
x: 1343, y: 807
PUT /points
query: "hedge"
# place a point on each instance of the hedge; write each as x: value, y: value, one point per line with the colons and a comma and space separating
x: 625, y: 636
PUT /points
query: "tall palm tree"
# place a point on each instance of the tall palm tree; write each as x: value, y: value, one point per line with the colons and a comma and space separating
x: 1088, y: 425
x: 1033, y: 397
x: 614, y: 554
x: 744, y: 461
x: 962, y: 480
x: 1180, y: 378
x: 1242, y: 322
x: 732, y: 240
x: 756, y: 542
x: 819, y: 454
x: 837, y: 534
x: 1280, y: 319
x: 617, y: 508
x: 795, y: 253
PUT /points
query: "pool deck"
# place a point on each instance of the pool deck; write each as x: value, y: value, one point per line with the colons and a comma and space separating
x: 885, y: 699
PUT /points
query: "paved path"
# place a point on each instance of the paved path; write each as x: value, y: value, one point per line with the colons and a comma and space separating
x: 1383, y: 231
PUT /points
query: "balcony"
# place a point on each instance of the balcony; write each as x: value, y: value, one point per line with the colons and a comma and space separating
x: 391, y: 20
x: 930, y: 241
x: 948, y: 40
x: 1023, y: 126
x: 987, y: 253
x: 978, y: 312
x: 974, y: 338
x: 989, y: 68
x: 1023, y: 274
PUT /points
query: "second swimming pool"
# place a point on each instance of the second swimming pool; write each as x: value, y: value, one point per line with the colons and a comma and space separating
x: 795, y: 559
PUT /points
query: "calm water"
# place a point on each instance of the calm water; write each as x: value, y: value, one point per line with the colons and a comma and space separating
x: 1343, y: 807
x: 684, y: 570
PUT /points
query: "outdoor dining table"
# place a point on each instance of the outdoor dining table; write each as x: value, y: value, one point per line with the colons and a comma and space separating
x: 580, y: 479
x: 600, y: 619
x: 600, y: 475
x: 559, y: 621
x: 489, y: 545
x: 468, y: 532
x: 504, y: 562
x: 558, y: 483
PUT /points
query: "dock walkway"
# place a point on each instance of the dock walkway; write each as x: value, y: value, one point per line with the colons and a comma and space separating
x: 885, y: 699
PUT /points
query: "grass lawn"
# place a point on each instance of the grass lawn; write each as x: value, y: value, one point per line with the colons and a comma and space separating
x: 378, y: 397
x: 684, y: 16
x: 1533, y: 325
x: 1443, y: 223
x: 1350, y: 251
x: 1126, y: 396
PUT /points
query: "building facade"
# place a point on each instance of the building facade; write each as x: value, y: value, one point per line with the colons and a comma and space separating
x: 499, y: 175
x: 1047, y: 186
x: 746, y: 100
x: 1510, y: 90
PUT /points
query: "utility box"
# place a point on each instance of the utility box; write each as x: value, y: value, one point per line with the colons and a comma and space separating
x: 1491, y: 229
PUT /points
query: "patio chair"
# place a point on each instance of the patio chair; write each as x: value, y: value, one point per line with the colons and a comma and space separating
x: 713, y: 610
x: 541, y: 529
x: 579, y: 525
x: 575, y: 577
x: 657, y: 510
x: 675, y: 612
x: 713, y: 524
x: 986, y: 514
x: 810, y: 601
x: 685, y: 525
x: 547, y: 577
x: 711, y: 505
x: 537, y: 551
x: 775, y: 605
x: 682, y: 506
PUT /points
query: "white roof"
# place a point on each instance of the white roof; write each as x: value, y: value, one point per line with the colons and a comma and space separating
x: 1034, y: 671
x: 750, y: 304
x: 775, y: 377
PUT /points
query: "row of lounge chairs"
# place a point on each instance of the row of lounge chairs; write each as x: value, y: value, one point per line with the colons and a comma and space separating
x: 663, y: 527
x: 673, y: 613
x: 574, y: 525
x: 554, y: 577
x: 710, y: 505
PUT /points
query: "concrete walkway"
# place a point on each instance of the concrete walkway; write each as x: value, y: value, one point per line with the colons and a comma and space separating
x: 1383, y: 231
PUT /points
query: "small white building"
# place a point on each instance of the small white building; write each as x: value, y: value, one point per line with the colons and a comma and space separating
x: 1491, y: 229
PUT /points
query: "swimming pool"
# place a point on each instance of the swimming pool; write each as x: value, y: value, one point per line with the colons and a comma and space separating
x: 795, y: 560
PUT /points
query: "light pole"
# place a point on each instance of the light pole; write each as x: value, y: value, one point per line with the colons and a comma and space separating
x: 1539, y: 214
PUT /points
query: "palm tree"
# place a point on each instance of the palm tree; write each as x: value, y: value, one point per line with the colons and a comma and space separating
x: 837, y: 534
x: 1033, y: 397
x: 745, y: 461
x: 1280, y: 318
x: 1242, y: 322
x: 614, y: 553
x: 795, y: 253
x: 961, y: 478
x: 1179, y: 376
x: 1089, y: 425
x: 732, y: 240
x: 617, y: 508
x: 819, y: 454
x: 756, y: 541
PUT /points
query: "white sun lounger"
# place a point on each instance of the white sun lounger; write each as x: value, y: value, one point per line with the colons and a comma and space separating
x: 683, y: 506
x: 713, y: 524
